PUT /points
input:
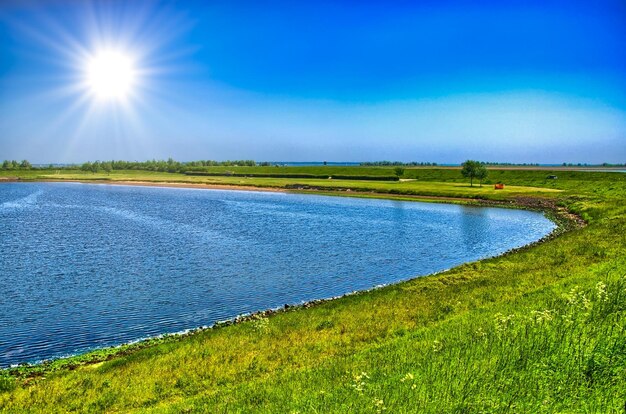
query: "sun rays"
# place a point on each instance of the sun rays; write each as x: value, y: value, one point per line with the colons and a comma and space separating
x: 103, y: 71
x: 110, y: 74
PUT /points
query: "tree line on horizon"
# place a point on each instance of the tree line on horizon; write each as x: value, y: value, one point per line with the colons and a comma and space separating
x: 14, y: 165
x: 171, y: 165
x: 397, y: 164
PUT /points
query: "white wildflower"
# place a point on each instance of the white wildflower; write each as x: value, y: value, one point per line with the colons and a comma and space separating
x: 542, y: 316
x: 261, y: 324
x: 407, y: 377
x: 503, y: 322
x: 601, y: 291
x: 359, y: 381
x: 379, y: 405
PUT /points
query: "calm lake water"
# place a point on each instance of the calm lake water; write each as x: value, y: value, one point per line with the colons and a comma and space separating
x: 86, y: 266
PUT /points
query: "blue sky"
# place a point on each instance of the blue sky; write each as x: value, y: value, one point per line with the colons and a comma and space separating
x: 431, y: 81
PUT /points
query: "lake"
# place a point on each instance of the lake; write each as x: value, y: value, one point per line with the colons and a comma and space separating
x: 84, y: 266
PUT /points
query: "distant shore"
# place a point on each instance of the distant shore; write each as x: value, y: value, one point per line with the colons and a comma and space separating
x: 299, y: 190
x: 527, y: 202
x: 174, y: 185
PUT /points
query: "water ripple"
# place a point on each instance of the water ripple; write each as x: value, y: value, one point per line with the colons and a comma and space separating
x: 24, y: 202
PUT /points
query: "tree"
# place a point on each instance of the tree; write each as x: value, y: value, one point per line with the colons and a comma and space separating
x: 95, y: 166
x: 107, y: 167
x: 398, y: 171
x: 482, y: 173
x: 473, y: 169
x: 6, y: 165
x: 86, y: 166
x: 25, y: 165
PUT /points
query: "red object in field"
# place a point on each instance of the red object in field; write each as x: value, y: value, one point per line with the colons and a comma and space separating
x: 499, y: 186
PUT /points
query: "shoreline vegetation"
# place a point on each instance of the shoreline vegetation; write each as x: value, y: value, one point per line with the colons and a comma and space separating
x: 537, y: 329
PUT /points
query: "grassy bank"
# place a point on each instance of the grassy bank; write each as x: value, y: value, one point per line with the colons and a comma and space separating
x: 434, y: 182
x: 539, y: 330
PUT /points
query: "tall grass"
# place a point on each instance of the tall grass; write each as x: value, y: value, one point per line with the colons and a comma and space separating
x: 568, y: 356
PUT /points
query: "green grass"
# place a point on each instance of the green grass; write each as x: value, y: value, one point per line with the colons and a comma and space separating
x: 444, y: 186
x: 538, y: 330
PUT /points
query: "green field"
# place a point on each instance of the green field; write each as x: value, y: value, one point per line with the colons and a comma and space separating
x: 433, y: 182
x: 541, y: 330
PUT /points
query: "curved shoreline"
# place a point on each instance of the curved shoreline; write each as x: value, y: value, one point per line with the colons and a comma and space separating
x: 165, y: 184
x: 563, y: 219
x: 544, y: 205
x: 298, y: 188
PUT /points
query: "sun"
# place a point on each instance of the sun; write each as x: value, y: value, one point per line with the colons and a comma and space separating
x: 110, y: 74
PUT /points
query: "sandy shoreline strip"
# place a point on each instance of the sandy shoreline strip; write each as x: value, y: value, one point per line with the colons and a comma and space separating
x: 325, y: 191
x: 170, y: 184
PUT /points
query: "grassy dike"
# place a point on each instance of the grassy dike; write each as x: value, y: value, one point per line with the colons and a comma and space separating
x: 542, y: 329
